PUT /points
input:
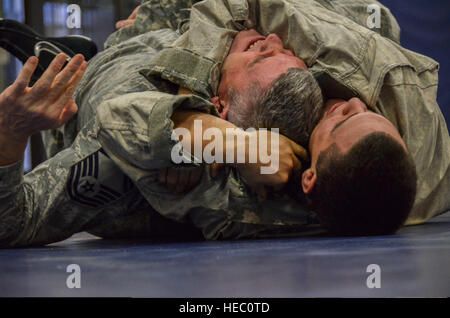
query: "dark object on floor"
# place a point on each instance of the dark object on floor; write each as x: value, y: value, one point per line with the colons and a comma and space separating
x: 23, y: 42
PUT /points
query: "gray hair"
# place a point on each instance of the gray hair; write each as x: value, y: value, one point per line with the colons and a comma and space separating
x: 293, y: 103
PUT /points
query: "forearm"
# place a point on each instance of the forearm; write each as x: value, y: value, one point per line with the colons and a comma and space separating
x: 34, y: 209
x: 145, y: 142
x: 37, y: 208
x: 11, y: 214
x: 230, y: 137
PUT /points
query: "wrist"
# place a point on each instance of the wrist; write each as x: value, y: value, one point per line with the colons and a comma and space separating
x: 10, y: 136
x: 11, y: 149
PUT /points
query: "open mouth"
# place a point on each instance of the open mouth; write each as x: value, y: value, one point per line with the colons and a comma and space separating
x: 254, y: 42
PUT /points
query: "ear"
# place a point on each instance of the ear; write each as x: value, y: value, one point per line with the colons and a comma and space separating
x: 221, y: 106
x: 309, y: 178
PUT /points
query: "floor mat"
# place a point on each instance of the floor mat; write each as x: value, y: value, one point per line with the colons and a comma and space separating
x: 415, y: 262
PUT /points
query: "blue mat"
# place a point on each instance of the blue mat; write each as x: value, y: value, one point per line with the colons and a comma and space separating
x: 416, y: 262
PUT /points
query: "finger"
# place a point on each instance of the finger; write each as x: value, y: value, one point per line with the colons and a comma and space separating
x: 68, y: 112
x: 69, y: 91
x: 24, y: 78
x: 295, y: 172
x: 79, y: 75
x: 119, y: 24
x: 66, y: 76
x: 297, y: 165
x: 172, y: 179
x: 46, y: 80
x: 76, y: 79
x: 134, y: 13
x: 299, y: 150
x: 123, y: 23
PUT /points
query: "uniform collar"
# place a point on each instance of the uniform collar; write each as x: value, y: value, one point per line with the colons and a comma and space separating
x: 184, y: 68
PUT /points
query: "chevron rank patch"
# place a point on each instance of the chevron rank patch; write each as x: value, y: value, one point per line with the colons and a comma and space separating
x: 97, y: 181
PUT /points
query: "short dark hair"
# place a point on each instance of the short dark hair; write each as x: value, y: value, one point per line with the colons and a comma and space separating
x: 370, y: 190
x: 293, y: 104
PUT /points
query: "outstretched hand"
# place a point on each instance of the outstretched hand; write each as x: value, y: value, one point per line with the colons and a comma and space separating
x: 49, y: 104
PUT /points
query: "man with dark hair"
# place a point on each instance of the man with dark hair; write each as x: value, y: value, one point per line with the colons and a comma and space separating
x: 362, y: 185
x: 368, y: 190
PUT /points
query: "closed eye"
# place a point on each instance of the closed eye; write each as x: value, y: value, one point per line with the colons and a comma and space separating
x: 341, y: 123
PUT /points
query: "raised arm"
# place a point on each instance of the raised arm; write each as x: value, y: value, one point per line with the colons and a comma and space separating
x: 34, y: 209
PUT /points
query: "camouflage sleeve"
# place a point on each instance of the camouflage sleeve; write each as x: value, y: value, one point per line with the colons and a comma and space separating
x: 154, y: 15
x: 424, y: 130
x: 222, y: 207
x: 138, y: 127
x: 37, y: 208
x: 360, y: 11
x: 135, y: 130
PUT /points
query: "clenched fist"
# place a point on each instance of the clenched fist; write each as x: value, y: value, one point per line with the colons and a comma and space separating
x: 286, y: 154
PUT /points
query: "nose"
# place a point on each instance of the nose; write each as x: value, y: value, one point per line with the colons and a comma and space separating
x: 272, y: 43
x: 272, y: 37
x: 354, y: 106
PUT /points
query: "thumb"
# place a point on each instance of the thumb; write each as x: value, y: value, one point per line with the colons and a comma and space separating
x: 134, y: 13
x: 68, y: 112
x: 299, y: 151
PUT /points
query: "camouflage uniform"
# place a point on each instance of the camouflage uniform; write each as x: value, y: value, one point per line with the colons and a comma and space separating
x: 92, y: 185
x: 346, y: 57
x: 155, y: 15
x: 105, y: 182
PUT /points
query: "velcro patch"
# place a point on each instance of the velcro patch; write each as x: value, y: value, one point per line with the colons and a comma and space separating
x: 97, y: 181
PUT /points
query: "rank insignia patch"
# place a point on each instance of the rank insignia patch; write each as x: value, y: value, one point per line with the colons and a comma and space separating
x: 97, y: 181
